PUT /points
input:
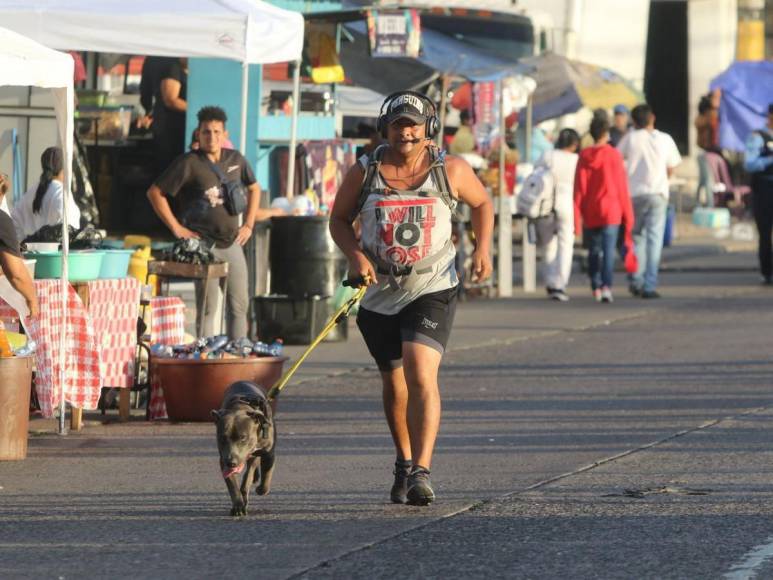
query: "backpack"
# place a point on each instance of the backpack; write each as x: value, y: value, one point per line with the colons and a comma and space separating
x: 437, y: 170
x: 538, y: 194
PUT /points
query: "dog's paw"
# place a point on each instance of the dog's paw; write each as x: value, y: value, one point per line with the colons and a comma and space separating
x: 260, y: 490
x: 239, y: 510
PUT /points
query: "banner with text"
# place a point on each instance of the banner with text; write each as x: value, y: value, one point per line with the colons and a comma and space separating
x: 394, y: 33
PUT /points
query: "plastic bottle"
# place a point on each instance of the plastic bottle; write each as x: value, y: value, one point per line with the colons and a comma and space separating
x: 5, y: 347
x: 28, y: 349
x: 218, y: 342
x: 275, y: 348
x: 260, y: 348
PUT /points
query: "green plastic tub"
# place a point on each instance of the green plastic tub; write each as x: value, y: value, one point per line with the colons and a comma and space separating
x: 115, y: 264
x: 82, y: 265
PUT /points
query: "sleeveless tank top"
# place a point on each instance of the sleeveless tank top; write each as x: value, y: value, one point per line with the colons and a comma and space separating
x: 402, y: 228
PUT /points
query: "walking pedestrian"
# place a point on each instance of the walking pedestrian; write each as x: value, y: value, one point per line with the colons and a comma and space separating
x: 651, y: 157
x: 620, y: 124
x: 759, y: 162
x: 556, y: 233
x: 602, y: 205
x: 405, y: 193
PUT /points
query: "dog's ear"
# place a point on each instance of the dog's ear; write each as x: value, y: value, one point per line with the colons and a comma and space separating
x: 215, y: 415
x: 256, y: 415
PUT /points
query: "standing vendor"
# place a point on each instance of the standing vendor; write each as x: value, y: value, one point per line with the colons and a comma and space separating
x: 201, y: 213
x: 10, y: 257
x: 169, y: 111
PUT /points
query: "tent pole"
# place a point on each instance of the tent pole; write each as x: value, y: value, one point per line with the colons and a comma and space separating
x: 444, y: 82
x: 505, y: 216
x: 529, y: 247
x: 67, y: 145
x: 528, y: 128
x: 243, y: 120
x: 293, y: 130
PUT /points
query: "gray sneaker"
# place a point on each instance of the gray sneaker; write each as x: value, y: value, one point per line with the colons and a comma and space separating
x: 419, y: 487
x: 399, y: 491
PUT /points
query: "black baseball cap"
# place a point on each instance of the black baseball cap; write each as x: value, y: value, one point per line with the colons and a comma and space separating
x: 408, y: 106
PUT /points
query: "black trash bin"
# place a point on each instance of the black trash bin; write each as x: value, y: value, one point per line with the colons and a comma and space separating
x: 295, y: 320
x: 304, y: 258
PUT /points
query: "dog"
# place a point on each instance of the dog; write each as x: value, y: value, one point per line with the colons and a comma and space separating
x: 245, y: 437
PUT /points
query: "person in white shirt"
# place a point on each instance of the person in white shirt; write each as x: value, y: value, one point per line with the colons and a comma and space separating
x: 559, y: 232
x: 650, y: 158
x: 41, y: 204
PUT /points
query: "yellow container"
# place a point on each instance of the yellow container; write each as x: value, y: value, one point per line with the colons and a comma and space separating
x: 138, y: 266
x: 138, y: 263
x: 132, y: 241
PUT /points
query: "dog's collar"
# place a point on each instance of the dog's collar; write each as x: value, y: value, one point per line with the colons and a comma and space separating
x: 252, y: 402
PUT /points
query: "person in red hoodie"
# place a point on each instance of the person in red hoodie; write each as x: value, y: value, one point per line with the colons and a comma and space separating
x: 602, y: 207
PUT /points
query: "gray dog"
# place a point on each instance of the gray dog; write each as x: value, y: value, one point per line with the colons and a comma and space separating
x: 245, y: 434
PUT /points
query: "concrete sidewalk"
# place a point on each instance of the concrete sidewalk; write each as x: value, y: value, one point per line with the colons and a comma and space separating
x: 548, y: 407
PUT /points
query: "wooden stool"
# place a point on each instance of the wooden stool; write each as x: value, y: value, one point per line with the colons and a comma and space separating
x: 166, y: 271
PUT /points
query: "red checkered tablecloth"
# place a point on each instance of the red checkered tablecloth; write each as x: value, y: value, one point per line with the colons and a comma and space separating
x: 113, y: 309
x: 82, y: 376
x: 167, y: 322
x: 167, y: 327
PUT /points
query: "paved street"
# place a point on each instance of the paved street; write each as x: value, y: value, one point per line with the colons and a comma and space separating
x: 579, y: 440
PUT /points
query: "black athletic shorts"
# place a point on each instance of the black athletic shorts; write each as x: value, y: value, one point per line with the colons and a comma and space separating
x: 427, y: 320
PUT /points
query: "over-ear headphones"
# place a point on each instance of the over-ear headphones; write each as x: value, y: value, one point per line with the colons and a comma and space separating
x: 431, y: 127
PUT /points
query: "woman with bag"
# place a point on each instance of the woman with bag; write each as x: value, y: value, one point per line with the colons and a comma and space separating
x: 555, y: 233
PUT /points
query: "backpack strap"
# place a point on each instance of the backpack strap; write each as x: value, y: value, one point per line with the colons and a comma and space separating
x: 440, y: 176
x: 217, y: 171
x: 371, y: 170
x: 437, y: 169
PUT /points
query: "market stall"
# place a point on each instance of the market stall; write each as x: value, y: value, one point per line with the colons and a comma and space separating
x: 24, y: 62
x: 248, y: 31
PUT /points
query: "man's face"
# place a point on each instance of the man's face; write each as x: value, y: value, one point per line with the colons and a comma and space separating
x: 211, y: 136
x: 404, y: 135
x: 621, y: 120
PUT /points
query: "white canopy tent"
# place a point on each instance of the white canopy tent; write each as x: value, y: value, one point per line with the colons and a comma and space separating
x: 24, y: 62
x: 249, y: 31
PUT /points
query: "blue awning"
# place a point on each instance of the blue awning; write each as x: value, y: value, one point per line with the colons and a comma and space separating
x: 747, y: 90
x: 455, y: 57
x: 440, y: 54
